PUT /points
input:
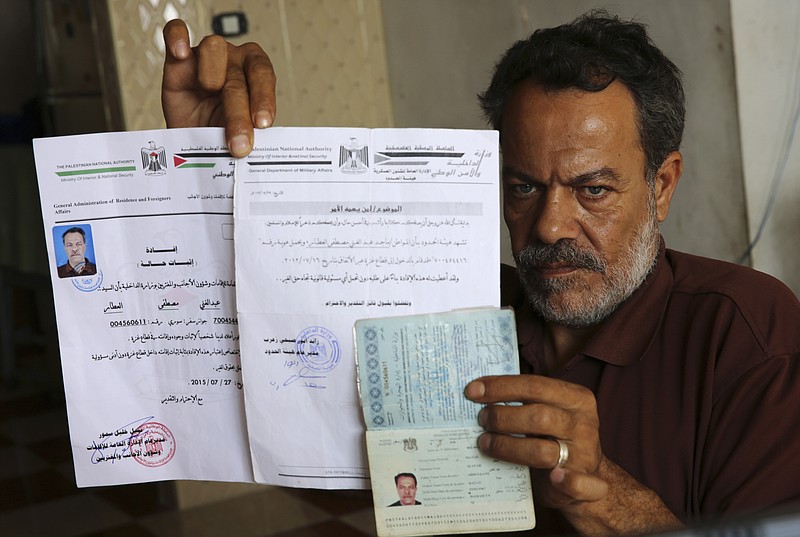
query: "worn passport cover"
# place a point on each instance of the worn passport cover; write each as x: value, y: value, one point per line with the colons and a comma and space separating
x: 412, y: 371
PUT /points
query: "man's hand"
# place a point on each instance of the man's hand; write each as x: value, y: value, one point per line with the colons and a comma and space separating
x: 217, y: 84
x: 595, y: 495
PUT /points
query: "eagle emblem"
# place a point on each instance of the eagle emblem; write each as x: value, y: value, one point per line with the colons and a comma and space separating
x: 154, y: 159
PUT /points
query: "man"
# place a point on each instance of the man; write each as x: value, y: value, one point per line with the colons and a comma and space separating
x: 406, y: 484
x: 660, y: 388
x: 74, y: 240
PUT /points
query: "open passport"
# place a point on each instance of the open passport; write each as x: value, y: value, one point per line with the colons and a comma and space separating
x: 428, y: 476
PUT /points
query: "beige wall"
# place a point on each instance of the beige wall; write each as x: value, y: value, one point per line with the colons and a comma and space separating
x: 329, y: 56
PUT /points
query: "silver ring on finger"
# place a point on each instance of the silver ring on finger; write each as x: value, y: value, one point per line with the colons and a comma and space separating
x: 563, y: 453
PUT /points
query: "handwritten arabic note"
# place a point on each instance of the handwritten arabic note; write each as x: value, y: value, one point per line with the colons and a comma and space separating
x: 335, y: 225
x: 146, y: 317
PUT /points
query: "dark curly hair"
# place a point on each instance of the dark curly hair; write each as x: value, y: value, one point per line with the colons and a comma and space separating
x: 589, y: 54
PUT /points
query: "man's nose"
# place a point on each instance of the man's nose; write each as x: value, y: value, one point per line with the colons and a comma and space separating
x: 556, y: 217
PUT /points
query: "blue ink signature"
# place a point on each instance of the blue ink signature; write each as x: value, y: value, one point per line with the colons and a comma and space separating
x: 303, y: 375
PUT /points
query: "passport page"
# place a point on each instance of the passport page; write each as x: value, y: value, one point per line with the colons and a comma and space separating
x: 428, y: 476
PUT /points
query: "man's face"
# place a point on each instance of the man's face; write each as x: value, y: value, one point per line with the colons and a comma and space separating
x: 582, y: 218
x: 407, y: 490
x: 75, y: 248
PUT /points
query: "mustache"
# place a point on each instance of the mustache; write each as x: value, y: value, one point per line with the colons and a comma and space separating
x: 564, y: 251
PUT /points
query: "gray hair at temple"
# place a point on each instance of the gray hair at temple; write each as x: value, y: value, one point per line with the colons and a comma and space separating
x: 590, y: 53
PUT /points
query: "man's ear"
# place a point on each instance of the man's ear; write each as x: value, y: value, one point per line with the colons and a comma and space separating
x: 667, y: 178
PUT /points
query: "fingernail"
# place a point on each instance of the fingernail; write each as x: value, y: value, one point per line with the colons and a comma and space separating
x: 263, y: 120
x: 240, y: 145
x: 482, y: 417
x: 557, y: 475
x: 475, y: 390
x: 181, y: 49
x: 484, y: 441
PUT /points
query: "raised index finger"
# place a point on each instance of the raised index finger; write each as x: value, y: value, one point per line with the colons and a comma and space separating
x: 176, y: 39
x: 526, y: 389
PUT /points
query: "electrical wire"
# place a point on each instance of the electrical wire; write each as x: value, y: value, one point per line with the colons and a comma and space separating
x: 780, y: 170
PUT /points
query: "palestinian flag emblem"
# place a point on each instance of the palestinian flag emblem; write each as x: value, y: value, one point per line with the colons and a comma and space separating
x: 200, y: 160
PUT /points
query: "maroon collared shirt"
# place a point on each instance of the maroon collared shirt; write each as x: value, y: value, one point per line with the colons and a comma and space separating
x: 697, y: 380
x: 66, y: 270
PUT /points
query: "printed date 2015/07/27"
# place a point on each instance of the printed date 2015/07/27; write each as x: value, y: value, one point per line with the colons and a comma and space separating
x: 216, y: 382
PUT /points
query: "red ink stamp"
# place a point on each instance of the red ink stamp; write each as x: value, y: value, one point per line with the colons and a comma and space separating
x: 152, y: 444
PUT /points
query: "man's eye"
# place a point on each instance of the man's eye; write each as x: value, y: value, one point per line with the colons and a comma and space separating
x: 524, y: 188
x: 595, y: 191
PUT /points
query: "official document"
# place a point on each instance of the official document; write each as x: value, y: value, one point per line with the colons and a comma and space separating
x: 335, y: 225
x: 428, y: 476
x: 139, y: 230
x: 175, y: 314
